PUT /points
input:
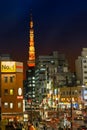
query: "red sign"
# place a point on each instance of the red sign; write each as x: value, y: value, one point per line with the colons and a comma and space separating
x: 19, y: 97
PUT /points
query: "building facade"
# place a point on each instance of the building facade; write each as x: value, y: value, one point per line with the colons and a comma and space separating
x: 81, y: 67
x: 11, y: 87
x: 52, y: 72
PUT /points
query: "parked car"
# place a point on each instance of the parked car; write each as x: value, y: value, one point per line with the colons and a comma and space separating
x: 85, y: 119
x: 82, y: 127
x: 79, y: 117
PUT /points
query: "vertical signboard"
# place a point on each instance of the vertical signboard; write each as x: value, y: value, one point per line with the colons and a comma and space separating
x: 85, y: 94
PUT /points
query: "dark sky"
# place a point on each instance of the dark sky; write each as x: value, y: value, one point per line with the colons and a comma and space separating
x: 60, y: 25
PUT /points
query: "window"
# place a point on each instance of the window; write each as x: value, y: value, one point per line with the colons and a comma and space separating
x: 11, y: 91
x: 11, y: 105
x: 85, y: 72
x: 33, y: 95
x: 67, y: 93
x: 6, y: 105
x: 5, y: 91
x: 85, y: 77
x: 5, y: 79
x: 84, y: 61
x: 79, y: 91
x: 11, y: 79
x: 72, y: 92
x: 63, y: 92
x: 19, y: 104
x: 19, y: 91
x: 85, y: 66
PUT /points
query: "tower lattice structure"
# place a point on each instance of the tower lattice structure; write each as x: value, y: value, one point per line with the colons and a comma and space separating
x: 31, y: 58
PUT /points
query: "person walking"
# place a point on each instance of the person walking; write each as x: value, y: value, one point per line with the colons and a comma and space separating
x: 37, y: 126
x: 31, y: 126
x: 45, y: 127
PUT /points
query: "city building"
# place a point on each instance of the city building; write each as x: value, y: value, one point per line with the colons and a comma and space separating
x: 81, y: 67
x: 52, y: 72
x: 11, y: 88
x: 71, y: 93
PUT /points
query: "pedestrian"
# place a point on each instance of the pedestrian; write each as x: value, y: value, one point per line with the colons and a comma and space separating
x: 30, y: 125
x: 44, y: 127
x: 37, y: 126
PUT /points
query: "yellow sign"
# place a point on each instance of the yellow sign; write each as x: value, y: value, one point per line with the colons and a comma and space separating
x: 8, y: 66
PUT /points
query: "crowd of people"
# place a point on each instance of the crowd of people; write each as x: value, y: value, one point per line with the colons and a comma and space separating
x: 30, y: 125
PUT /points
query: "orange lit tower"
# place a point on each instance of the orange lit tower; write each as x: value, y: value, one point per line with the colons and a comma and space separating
x: 30, y: 96
x: 31, y: 60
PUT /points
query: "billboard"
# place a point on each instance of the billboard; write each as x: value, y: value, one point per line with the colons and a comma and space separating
x: 8, y: 66
x: 85, y: 94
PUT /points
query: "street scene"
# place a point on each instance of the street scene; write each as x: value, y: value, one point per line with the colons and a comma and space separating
x: 43, y: 65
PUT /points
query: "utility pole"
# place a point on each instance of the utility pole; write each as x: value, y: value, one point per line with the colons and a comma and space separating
x: 0, y: 104
x: 71, y: 107
x: 0, y: 109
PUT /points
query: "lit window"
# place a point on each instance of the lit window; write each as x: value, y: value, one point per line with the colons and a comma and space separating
x: 33, y: 84
x: 33, y: 95
x: 19, y: 104
x: 11, y: 91
x: 6, y: 105
x: 33, y: 77
x: 11, y: 105
x: 33, y: 81
x: 19, y: 91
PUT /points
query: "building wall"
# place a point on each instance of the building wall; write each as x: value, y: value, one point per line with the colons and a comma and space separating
x: 81, y: 66
x: 74, y: 93
x: 12, y: 90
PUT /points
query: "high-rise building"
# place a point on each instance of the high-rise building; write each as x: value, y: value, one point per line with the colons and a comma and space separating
x: 81, y: 67
x: 52, y: 71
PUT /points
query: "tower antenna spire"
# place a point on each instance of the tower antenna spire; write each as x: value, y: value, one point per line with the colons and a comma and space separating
x: 31, y: 58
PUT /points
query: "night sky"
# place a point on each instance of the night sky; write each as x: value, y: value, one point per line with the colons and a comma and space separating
x: 59, y: 26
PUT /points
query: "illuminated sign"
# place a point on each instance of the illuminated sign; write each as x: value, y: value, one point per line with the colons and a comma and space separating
x: 19, y: 97
x: 8, y: 66
x: 85, y: 94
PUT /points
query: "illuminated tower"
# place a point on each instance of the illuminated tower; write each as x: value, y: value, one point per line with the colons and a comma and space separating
x: 31, y: 60
x: 30, y: 73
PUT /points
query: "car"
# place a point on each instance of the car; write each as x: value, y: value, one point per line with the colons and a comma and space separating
x: 85, y: 119
x: 82, y: 127
x: 79, y: 117
x: 48, y: 119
